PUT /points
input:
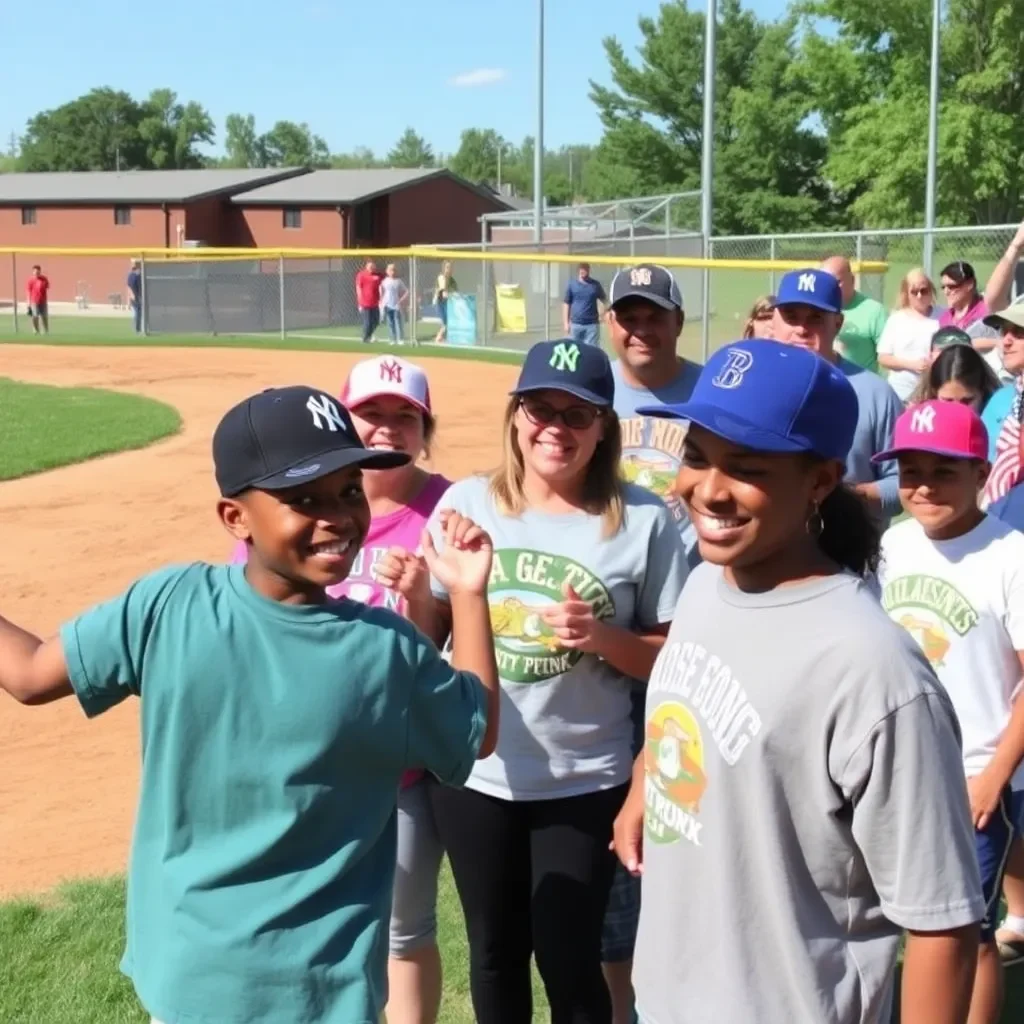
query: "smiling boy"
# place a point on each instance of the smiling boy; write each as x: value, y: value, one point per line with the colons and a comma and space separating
x: 954, y: 578
x: 276, y: 726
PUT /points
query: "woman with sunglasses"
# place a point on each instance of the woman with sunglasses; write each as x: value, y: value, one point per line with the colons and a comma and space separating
x: 801, y: 783
x: 959, y: 373
x: 904, y: 347
x: 587, y: 571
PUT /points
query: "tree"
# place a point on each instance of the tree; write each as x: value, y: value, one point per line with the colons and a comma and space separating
x: 477, y: 156
x: 171, y: 130
x: 288, y: 144
x: 768, y: 159
x: 869, y: 80
x: 360, y: 157
x: 411, y: 150
x: 95, y: 132
x: 243, y: 147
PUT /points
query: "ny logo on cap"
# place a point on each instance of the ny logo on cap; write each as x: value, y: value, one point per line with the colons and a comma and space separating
x: 565, y: 357
x: 737, y: 362
x: 325, y: 411
x: 391, y: 371
x: 922, y: 421
x: 806, y: 283
x: 640, y: 277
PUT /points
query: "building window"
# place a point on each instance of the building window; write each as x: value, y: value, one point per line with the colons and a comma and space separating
x: 28, y: 215
x: 366, y: 222
x: 292, y: 217
x: 122, y: 216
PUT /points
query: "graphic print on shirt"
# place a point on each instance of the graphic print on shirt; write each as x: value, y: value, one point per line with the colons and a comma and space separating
x: 522, y: 584
x: 652, y: 449
x: 931, y: 610
x: 695, y: 702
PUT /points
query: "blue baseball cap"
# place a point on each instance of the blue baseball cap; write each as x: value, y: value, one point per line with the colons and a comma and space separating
x: 810, y: 287
x: 771, y: 397
x: 571, y: 366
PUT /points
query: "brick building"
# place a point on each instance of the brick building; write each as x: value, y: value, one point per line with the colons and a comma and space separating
x: 268, y: 208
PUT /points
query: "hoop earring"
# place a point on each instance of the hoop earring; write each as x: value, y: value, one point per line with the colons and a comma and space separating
x: 815, y: 524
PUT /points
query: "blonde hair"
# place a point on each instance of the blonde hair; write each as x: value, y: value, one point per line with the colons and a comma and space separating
x: 904, y: 296
x: 602, y: 486
x: 765, y: 304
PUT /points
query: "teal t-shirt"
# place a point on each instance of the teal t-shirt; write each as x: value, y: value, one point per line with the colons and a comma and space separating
x: 274, y: 738
x: 863, y: 322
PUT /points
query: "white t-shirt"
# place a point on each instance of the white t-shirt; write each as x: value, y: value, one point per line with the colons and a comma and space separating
x: 907, y: 335
x: 963, y: 601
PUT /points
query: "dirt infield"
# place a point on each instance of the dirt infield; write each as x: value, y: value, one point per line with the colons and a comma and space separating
x: 80, y: 534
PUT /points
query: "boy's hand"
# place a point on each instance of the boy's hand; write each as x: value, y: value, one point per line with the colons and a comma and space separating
x: 405, y: 573
x: 464, y: 563
x: 984, y: 791
x: 628, y: 832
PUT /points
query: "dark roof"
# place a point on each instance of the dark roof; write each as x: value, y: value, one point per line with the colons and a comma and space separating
x: 345, y: 187
x: 67, y: 187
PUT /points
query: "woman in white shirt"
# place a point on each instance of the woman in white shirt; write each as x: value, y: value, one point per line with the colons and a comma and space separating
x: 904, y: 346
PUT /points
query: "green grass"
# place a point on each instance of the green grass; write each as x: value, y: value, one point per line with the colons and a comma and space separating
x: 44, y: 427
x: 59, y: 960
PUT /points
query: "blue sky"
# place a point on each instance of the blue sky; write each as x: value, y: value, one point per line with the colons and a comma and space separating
x: 359, y: 74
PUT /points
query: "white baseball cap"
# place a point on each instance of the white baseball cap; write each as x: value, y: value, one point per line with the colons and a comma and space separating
x: 386, y: 375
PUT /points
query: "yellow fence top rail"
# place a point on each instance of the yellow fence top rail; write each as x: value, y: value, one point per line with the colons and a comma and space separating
x: 431, y: 253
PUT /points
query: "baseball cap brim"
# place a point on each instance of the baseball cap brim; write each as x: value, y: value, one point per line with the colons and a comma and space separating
x: 635, y: 293
x: 354, y: 403
x: 732, y: 428
x: 569, y: 389
x: 1011, y: 315
x: 326, y: 463
x: 807, y: 300
x: 946, y: 453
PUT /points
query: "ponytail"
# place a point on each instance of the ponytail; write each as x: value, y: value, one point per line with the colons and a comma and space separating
x: 849, y: 534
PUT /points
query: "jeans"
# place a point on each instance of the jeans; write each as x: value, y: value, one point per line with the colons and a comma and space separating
x: 533, y: 878
x: 587, y: 334
x: 137, y: 314
x: 394, y: 319
x: 371, y: 321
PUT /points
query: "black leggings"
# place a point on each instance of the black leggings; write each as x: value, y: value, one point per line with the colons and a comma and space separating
x: 533, y: 877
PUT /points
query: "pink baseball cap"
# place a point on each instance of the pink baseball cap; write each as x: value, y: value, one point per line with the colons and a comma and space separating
x: 386, y: 375
x: 942, y: 428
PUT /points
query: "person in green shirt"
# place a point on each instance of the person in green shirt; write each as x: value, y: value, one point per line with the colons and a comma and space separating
x: 863, y: 318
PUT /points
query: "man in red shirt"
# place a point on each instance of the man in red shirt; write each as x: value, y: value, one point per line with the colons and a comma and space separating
x: 38, y: 288
x: 368, y: 299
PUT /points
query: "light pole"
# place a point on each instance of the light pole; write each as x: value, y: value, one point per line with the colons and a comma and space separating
x: 933, y: 143
x: 707, y: 165
x: 538, y: 144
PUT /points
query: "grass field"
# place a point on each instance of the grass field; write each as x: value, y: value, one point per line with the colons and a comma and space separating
x: 44, y: 427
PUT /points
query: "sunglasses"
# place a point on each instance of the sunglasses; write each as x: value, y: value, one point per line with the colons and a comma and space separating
x: 920, y: 291
x: 575, y: 417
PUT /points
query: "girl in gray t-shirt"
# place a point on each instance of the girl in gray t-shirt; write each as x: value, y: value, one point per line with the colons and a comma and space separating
x: 800, y: 799
x: 586, y: 573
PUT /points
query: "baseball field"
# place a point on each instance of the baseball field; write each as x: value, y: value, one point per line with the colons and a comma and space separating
x: 76, y: 532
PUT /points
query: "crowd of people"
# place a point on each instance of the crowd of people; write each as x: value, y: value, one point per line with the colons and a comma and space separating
x: 702, y: 732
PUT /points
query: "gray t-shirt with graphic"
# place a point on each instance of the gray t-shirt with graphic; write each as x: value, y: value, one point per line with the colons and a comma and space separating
x: 805, y: 802
x: 565, y: 725
x: 652, y: 447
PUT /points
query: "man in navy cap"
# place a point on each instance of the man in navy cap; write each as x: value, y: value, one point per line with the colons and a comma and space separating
x: 808, y: 313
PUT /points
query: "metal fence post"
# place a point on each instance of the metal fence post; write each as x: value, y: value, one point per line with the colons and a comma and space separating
x: 280, y: 288
x: 860, y: 256
x: 414, y: 303
x: 14, y: 288
x: 143, y: 296
x: 772, y: 253
x: 547, y: 299
x: 707, y: 248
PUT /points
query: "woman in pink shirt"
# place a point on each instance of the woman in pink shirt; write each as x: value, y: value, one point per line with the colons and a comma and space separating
x: 389, y: 400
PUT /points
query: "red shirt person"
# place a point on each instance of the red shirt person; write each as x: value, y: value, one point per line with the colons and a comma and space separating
x: 368, y: 282
x: 37, y: 290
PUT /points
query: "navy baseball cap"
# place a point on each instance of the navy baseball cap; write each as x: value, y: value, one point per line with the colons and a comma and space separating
x: 646, y: 281
x: 771, y: 397
x: 810, y: 287
x: 571, y: 366
x: 283, y: 437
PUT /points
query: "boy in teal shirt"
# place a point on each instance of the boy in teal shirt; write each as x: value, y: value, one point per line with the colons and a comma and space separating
x: 276, y: 726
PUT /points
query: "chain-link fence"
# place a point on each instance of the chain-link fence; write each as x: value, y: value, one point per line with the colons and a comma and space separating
x: 732, y: 294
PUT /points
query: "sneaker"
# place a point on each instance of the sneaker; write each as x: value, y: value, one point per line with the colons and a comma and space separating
x: 1011, y: 948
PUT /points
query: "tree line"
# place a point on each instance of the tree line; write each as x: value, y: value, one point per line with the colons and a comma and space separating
x: 821, y: 121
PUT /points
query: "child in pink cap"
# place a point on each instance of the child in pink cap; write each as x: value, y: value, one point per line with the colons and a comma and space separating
x: 389, y: 401
x: 953, y: 576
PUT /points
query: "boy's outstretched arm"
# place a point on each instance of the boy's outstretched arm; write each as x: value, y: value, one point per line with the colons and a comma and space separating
x: 463, y: 566
x: 32, y: 671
